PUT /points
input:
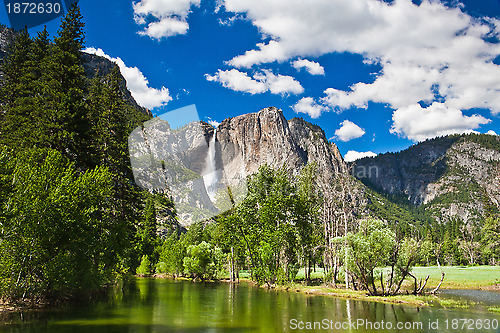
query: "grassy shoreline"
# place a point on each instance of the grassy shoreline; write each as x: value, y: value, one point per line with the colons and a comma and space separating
x: 456, y: 277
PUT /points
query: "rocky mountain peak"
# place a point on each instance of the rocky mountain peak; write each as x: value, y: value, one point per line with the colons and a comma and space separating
x: 241, y: 145
x: 254, y: 139
x: 452, y: 176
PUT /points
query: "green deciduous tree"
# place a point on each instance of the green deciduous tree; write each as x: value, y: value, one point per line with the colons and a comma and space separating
x: 204, y: 261
x: 55, y: 236
x: 144, y: 268
x: 172, y: 254
x: 307, y: 206
x: 375, y: 246
x: 264, y: 220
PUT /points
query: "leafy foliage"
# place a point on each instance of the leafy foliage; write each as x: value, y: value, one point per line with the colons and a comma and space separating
x: 144, y: 268
x: 55, y: 234
x: 374, y: 245
x: 203, y: 261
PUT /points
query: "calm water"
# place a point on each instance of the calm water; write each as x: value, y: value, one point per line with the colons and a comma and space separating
x: 162, y: 305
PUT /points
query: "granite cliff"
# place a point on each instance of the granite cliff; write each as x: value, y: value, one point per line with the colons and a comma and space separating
x: 181, y: 157
x: 251, y: 140
x: 452, y: 176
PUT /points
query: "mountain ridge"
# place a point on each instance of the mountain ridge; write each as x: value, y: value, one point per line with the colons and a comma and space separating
x: 451, y: 176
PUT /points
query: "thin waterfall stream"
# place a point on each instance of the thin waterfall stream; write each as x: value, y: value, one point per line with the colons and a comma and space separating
x: 210, y: 172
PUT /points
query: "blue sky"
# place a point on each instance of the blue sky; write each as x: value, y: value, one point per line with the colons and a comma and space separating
x: 376, y: 75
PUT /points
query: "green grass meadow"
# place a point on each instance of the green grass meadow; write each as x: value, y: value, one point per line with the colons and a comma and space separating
x: 456, y: 277
x: 461, y: 277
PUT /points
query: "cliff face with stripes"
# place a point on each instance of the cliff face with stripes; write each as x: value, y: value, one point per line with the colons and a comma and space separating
x: 197, y: 162
x: 266, y: 137
x: 452, y: 176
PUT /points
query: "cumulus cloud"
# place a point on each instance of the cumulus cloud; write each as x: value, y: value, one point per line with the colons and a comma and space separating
x: 308, y: 106
x: 280, y: 84
x: 163, y: 18
x: 238, y: 81
x: 137, y: 83
x: 348, y: 131
x: 418, y: 123
x: 428, y: 53
x: 352, y: 155
x: 491, y: 132
x: 258, y: 84
x: 312, y: 67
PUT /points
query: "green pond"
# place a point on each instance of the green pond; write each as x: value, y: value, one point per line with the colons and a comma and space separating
x: 164, y: 305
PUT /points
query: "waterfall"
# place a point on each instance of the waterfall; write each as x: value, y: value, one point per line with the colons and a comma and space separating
x: 210, y: 173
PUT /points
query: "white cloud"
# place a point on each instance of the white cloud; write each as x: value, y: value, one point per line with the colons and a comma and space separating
x: 491, y: 132
x: 352, y: 155
x: 280, y: 84
x: 169, y: 17
x: 137, y: 83
x: 238, y: 81
x: 258, y: 84
x: 349, y: 131
x: 267, y: 53
x: 428, y: 52
x: 309, y: 106
x: 312, y: 67
x: 417, y: 123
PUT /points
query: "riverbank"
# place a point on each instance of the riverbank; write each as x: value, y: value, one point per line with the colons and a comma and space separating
x: 6, y: 308
x: 456, y: 277
x: 439, y: 300
x: 357, y: 295
x: 51, y: 301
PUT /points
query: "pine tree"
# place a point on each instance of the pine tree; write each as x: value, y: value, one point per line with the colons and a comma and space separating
x: 107, y: 113
x: 147, y: 238
x: 13, y: 91
x: 109, y: 123
x: 33, y: 133
x: 65, y: 91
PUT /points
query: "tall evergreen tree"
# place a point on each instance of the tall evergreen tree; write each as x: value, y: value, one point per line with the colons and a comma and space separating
x: 37, y: 65
x: 147, y: 238
x: 107, y: 114
x: 13, y: 89
x: 65, y: 92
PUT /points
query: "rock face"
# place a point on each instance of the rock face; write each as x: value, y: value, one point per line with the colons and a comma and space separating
x: 251, y: 140
x: 181, y: 158
x: 94, y: 65
x: 453, y: 176
x: 7, y: 35
x: 173, y: 161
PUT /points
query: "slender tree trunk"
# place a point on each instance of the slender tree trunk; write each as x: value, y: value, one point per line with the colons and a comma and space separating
x: 345, y: 260
x: 232, y: 264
